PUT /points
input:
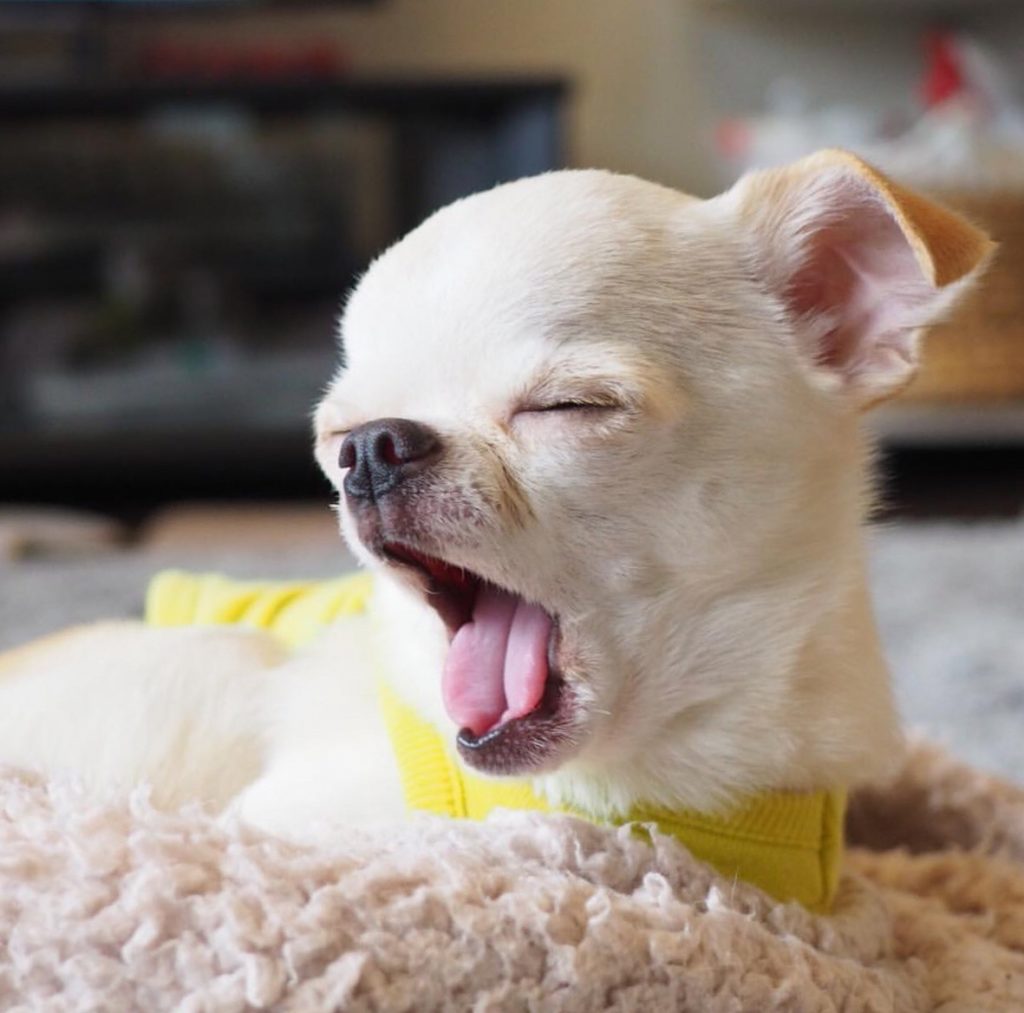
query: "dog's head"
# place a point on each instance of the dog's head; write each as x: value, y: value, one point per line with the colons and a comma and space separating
x: 601, y: 440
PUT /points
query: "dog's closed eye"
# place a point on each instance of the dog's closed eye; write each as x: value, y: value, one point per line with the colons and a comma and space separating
x: 553, y: 398
x: 569, y: 405
x: 596, y: 410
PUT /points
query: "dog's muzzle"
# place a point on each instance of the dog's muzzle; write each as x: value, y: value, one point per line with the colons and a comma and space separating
x: 501, y: 683
x: 382, y: 454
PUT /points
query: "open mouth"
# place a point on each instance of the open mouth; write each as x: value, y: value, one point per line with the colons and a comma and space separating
x: 501, y: 684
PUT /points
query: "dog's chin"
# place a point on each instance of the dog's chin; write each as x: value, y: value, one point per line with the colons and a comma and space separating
x: 533, y: 720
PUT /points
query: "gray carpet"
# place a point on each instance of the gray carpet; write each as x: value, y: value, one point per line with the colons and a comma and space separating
x: 950, y: 601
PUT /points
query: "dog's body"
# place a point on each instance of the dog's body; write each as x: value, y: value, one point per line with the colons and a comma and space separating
x: 633, y: 419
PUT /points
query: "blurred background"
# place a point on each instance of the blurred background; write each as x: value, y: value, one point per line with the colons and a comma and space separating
x: 187, y: 190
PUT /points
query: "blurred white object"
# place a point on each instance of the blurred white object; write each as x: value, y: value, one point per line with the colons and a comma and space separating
x: 969, y: 137
x: 956, y: 146
x: 792, y: 128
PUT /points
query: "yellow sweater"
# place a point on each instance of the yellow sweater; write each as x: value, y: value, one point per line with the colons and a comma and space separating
x: 787, y: 843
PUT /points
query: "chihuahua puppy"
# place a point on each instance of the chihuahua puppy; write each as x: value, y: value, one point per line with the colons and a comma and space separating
x: 600, y: 442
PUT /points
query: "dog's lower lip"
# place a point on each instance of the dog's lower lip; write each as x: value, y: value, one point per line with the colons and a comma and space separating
x: 525, y: 745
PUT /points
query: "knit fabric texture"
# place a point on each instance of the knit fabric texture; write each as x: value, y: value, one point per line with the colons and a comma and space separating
x: 112, y: 905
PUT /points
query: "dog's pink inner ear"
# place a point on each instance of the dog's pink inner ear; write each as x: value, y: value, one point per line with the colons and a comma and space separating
x: 858, y: 295
x: 860, y: 265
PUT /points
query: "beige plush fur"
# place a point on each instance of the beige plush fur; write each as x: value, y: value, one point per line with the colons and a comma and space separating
x: 649, y: 407
x: 110, y: 906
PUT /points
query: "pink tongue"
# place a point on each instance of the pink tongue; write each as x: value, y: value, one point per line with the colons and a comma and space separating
x: 498, y: 663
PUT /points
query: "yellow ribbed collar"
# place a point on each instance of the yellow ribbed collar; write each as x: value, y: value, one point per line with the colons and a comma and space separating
x: 787, y: 843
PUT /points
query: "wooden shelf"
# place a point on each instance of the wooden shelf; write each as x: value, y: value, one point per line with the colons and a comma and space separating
x: 412, y: 96
x: 453, y: 135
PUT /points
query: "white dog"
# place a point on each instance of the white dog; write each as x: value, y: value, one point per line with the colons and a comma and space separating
x: 601, y: 444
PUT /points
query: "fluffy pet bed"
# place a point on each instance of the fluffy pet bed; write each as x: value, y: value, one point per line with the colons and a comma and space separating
x: 117, y: 907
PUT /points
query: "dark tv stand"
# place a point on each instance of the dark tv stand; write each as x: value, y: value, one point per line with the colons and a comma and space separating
x: 450, y: 137
x: 454, y: 135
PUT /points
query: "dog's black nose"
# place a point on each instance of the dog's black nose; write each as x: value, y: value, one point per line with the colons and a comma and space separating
x: 383, y: 453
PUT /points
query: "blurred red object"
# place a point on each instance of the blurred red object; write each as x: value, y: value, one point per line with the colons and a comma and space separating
x: 733, y: 138
x: 255, y: 61
x: 944, y: 76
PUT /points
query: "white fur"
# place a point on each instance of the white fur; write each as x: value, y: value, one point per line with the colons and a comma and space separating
x: 701, y: 546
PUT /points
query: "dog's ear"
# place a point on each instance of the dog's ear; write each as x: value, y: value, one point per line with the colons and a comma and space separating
x: 859, y: 264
